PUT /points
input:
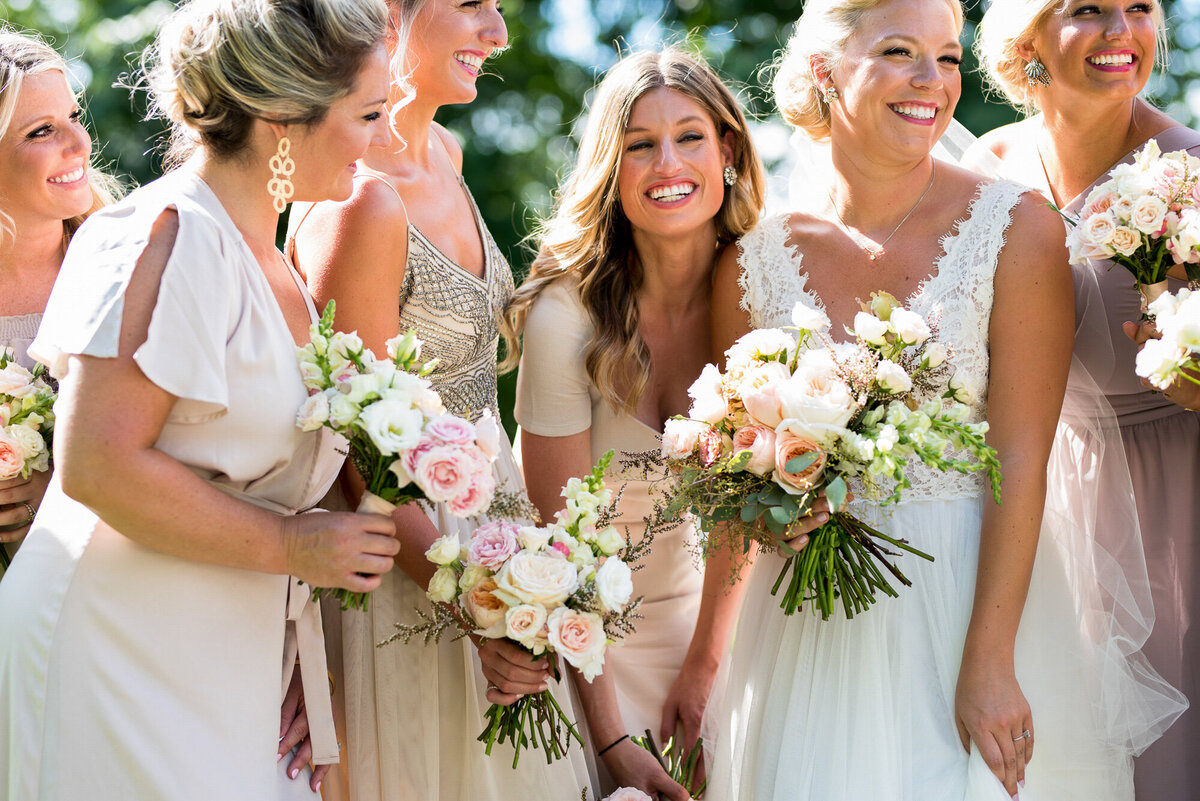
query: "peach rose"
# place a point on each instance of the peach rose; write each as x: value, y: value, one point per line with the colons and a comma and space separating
x: 580, y: 638
x: 12, y: 457
x: 485, y: 608
x: 524, y: 624
x: 760, y: 441
x: 788, y: 446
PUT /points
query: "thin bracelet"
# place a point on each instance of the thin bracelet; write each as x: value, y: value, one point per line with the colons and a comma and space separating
x: 613, y: 744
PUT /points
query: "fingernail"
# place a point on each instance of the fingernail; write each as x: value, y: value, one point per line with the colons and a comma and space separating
x: 318, y: 785
x: 543, y: 687
x: 821, y: 518
x: 294, y: 772
x: 278, y: 757
x: 1021, y: 784
x: 1016, y: 797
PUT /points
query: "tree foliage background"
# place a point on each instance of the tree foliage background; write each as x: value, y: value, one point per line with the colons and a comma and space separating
x: 517, y: 135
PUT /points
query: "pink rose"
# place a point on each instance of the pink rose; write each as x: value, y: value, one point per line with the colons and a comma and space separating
x: 580, y: 638
x: 709, y: 444
x: 414, y: 455
x: 478, y: 495
x: 788, y: 446
x: 12, y: 457
x: 760, y: 396
x: 492, y: 544
x: 562, y: 548
x: 679, y: 437
x: 444, y: 472
x: 760, y: 441
x: 449, y: 429
x: 488, y: 611
x: 628, y: 794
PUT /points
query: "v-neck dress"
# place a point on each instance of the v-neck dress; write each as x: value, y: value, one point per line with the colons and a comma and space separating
x: 1162, y: 446
x: 126, y: 673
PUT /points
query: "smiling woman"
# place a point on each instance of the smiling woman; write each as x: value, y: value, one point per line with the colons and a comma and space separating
x: 47, y: 188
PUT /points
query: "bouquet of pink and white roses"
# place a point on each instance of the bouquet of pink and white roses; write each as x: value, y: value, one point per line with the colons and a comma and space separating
x: 1145, y: 218
x: 1176, y: 353
x: 26, y: 421
x: 795, y: 415
x: 404, y: 444
x: 561, y: 589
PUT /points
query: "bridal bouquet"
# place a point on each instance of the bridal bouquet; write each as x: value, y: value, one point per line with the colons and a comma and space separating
x: 561, y: 589
x: 26, y: 421
x: 1144, y: 218
x: 794, y: 416
x: 404, y: 444
x: 1177, y: 351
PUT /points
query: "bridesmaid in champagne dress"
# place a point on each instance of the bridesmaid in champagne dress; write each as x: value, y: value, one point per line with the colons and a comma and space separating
x: 1086, y: 117
x: 615, y: 322
x: 411, y: 250
x: 47, y: 189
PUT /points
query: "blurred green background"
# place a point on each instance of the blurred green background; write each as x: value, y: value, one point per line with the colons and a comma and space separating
x: 517, y: 136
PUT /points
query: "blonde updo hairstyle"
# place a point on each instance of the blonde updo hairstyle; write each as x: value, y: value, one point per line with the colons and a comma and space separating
x: 820, y: 35
x: 1009, y: 23
x: 402, y: 18
x: 22, y: 55
x: 219, y: 65
x: 588, y: 238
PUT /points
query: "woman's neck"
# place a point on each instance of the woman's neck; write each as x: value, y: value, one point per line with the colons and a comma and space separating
x: 37, y: 247
x: 676, y: 271
x: 410, y: 149
x: 243, y: 194
x: 875, y: 196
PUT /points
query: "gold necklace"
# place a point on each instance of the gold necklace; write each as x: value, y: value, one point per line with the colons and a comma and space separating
x: 877, y: 251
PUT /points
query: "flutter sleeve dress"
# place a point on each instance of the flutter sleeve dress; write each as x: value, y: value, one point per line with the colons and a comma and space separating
x: 126, y: 673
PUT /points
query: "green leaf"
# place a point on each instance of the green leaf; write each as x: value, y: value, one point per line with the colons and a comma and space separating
x: 801, y: 462
x: 749, y: 513
x: 779, y: 515
x: 835, y: 493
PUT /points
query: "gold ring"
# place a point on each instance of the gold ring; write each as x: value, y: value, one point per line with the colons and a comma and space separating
x: 31, y: 510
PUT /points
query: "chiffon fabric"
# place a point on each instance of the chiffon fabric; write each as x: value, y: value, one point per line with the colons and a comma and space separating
x: 556, y: 398
x: 864, y: 709
x: 413, y: 712
x: 1162, y: 444
x: 16, y: 332
x: 126, y: 673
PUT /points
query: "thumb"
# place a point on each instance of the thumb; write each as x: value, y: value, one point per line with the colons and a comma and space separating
x: 963, y: 735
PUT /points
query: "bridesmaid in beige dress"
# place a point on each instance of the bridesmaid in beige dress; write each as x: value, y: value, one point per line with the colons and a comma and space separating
x: 47, y: 189
x: 615, y: 317
x: 409, y: 249
x: 159, y: 612
x: 1086, y: 116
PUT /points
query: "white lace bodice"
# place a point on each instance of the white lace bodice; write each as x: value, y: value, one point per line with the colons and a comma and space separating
x: 959, y: 291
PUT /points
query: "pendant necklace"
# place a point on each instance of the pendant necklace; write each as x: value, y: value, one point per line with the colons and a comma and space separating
x: 877, y: 251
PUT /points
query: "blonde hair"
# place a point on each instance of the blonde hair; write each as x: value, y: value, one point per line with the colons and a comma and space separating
x: 21, y: 55
x: 588, y: 238
x: 820, y: 35
x: 218, y: 65
x: 402, y: 24
x: 1009, y: 23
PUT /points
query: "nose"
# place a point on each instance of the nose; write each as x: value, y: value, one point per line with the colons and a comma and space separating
x: 1118, y: 26
x: 927, y: 74
x: 495, y: 32
x: 667, y: 162
x: 78, y: 142
x: 381, y: 133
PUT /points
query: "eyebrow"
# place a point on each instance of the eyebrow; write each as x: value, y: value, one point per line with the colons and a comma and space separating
x: 34, y: 123
x: 691, y: 118
x: 904, y: 37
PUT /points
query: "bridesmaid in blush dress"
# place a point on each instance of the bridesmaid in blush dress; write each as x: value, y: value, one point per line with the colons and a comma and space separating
x: 615, y: 317
x: 1085, y: 118
x: 47, y: 188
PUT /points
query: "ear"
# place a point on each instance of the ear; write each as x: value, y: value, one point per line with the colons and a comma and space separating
x: 821, y: 74
x: 1024, y: 50
x: 277, y: 128
x: 728, y: 141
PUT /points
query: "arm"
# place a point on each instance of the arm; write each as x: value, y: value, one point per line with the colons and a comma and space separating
x: 1031, y: 336
x: 109, y: 418
x: 1181, y: 392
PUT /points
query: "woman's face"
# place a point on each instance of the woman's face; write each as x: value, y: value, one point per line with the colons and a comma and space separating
x: 898, y: 80
x: 44, y: 154
x: 1103, y: 48
x: 325, y: 152
x: 670, y: 175
x: 450, y: 41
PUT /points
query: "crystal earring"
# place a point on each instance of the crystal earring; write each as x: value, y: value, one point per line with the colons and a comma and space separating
x: 730, y: 176
x: 280, y: 186
x: 1035, y: 72
x: 830, y: 93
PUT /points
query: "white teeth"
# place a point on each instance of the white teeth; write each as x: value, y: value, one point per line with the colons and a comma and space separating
x: 68, y: 178
x: 1112, y: 58
x: 914, y: 110
x: 673, y: 192
x: 474, y: 62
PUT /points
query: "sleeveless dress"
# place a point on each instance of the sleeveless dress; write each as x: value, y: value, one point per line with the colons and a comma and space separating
x: 126, y: 673
x: 864, y: 709
x: 555, y: 398
x: 16, y: 332
x: 1162, y: 445
x: 413, y: 711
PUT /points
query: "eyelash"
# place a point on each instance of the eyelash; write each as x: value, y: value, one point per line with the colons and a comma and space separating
x: 374, y: 115
x: 45, y: 130
x: 687, y: 137
x: 900, y: 51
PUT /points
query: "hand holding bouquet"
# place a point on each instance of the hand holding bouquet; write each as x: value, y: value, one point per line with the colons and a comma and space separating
x: 562, y: 589
x: 1176, y: 352
x: 794, y: 416
x: 1145, y: 218
x: 402, y: 441
x: 26, y: 421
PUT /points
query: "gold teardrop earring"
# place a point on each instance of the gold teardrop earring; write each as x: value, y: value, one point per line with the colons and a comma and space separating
x: 280, y: 187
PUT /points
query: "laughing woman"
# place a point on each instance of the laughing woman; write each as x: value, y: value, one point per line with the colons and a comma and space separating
x: 47, y: 188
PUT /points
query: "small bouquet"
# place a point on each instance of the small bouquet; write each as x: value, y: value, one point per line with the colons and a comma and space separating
x: 401, y: 440
x: 1144, y: 218
x: 795, y: 415
x: 563, y: 589
x: 26, y: 421
x: 1177, y: 351
x: 680, y: 766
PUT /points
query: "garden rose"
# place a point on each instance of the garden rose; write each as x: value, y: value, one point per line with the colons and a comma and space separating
x: 870, y: 328
x: 787, y: 447
x: 709, y: 445
x: 486, y: 609
x: 891, y: 377
x: 758, y: 392
x: 313, y: 413
x: 443, y: 550
x: 538, y: 578
x: 1125, y: 240
x: 760, y: 441
x: 628, y: 794
x: 1148, y: 214
x: 524, y: 623
x: 808, y: 317
x: 614, y: 584
x: 16, y: 381
x: 443, y: 586
x: 477, y: 496
x: 444, y: 472
x: 449, y: 429
x: 680, y: 436
x: 762, y: 342
x: 910, y: 327
x: 12, y: 456
x: 492, y: 544
x: 579, y: 637
x: 708, y: 404
x: 31, y: 441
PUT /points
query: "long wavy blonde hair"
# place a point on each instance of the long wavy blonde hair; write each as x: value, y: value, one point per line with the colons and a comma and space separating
x: 588, y: 237
x: 22, y: 55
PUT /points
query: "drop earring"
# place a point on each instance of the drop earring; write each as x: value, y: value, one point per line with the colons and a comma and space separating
x: 729, y: 174
x: 1035, y: 72
x: 280, y: 186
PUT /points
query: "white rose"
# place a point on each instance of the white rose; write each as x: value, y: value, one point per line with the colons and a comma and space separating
x: 870, y: 328
x: 614, y: 584
x: 1157, y: 362
x: 31, y: 441
x: 523, y: 623
x: 762, y: 342
x: 680, y: 436
x: 708, y: 404
x: 537, y: 578
x: 815, y: 402
x: 808, y: 317
x: 472, y: 575
x: 892, y: 377
x: 393, y: 426
x: 533, y: 538
x: 959, y: 391
x: 1098, y: 229
x: 1125, y: 240
x: 935, y: 354
x: 909, y: 326
x: 342, y: 410
x: 609, y: 541
x: 579, y: 637
x: 444, y: 550
x: 16, y: 381
x: 1148, y: 214
x: 313, y: 412
x: 443, y: 586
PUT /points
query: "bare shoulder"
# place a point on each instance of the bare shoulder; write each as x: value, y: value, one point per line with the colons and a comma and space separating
x: 453, y: 148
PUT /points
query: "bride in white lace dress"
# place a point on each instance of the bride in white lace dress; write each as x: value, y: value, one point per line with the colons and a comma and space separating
x: 942, y: 692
